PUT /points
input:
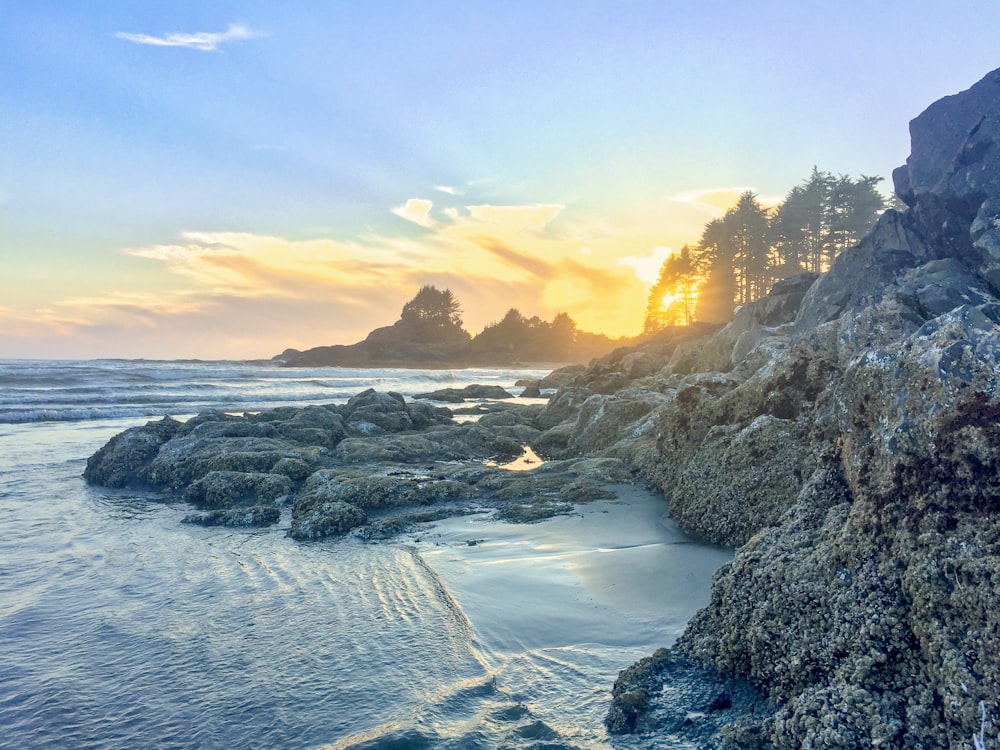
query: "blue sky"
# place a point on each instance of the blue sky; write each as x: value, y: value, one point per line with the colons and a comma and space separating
x: 223, y: 180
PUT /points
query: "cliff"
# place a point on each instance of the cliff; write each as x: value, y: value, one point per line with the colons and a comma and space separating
x: 843, y: 433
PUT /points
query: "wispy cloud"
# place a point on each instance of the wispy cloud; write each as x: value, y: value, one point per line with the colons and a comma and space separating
x: 447, y: 189
x: 535, y: 266
x: 647, y: 267
x: 206, y: 41
x: 716, y: 201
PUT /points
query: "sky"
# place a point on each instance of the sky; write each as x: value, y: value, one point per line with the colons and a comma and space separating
x: 228, y: 179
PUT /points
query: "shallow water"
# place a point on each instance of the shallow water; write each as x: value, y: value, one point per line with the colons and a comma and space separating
x: 122, y: 628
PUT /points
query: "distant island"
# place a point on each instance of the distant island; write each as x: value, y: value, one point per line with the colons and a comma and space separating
x: 429, y: 333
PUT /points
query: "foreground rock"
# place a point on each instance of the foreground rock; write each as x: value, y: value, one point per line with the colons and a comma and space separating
x: 375, y: 466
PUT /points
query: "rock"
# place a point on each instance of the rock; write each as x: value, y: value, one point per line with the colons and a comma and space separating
x: 124, y: 461
x: 458, y: 395
x: 862, y: 600
x: 752, y: 324
x: 321, y: 520
x: 953, y: 172
x: 375, y: 413
x: 603, y: 421
x: 225, y: 489
x: 187, y: 458
x: 561, y: 376
x: 860, y: 276
x: 254, y: 516
x: 940, y: 286
x: 465, y: 442
x: 562, y: 407
x: 739, y: 481
x: 696, y: 706
x: 327, y: 486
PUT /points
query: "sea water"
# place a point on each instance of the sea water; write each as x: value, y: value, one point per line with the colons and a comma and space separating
x: 122, y: 628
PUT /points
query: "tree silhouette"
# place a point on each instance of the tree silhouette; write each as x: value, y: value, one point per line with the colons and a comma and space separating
x: 433, y: 316
x: 671, y: 300
x: 529, y: 338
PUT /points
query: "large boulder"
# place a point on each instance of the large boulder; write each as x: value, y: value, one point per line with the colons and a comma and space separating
x: 374, y: 412
x: 124, y: 460
x: 951, y: 179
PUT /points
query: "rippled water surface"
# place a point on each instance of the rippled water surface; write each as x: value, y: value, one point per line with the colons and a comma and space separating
x: 122, y: 628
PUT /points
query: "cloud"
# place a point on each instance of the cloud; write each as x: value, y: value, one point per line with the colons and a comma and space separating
x: 534, y: 266
x: 647, y: 267
x: 713, y: 201
x: 240, y: 294
x: 516, y: 218
x: 417, y: 210
x: 716, y: 201
x: 203, y: 40
x: 447, y: 189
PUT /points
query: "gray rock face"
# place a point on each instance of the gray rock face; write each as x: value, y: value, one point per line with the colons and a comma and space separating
x: 951, y: 179
x: 859, y: 277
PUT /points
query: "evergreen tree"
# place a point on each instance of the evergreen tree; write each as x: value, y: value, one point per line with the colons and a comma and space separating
x: 821, y: 218
x: 716, y: 296
x: 746, y: 227
x: 741, y: 254
x: 671, y: 300
x: 433, y: 316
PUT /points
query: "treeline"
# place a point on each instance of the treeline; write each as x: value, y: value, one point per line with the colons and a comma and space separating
x: 742, y: 254
x: 430, y: 332
x: 433, y: 316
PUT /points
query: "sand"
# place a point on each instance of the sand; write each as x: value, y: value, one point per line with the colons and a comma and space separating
x: 557, y: 607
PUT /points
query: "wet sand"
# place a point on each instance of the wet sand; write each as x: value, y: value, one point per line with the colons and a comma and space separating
x: 558, y: 607
x: 568, y: 578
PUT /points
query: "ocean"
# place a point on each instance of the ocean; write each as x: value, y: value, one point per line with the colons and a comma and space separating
x: 122, y: 628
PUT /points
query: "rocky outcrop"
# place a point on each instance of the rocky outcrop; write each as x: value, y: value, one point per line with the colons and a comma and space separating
x: 852, y: 448
x: 358, y: 467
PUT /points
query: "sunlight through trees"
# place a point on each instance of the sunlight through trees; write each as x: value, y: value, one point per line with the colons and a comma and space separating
x: 743, y: 253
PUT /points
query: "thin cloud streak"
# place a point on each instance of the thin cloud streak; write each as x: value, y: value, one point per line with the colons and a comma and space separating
x: 204, y: 41
x: 534, y: 266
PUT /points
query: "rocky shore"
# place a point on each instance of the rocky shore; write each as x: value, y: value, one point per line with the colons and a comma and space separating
x: 842, y: 433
